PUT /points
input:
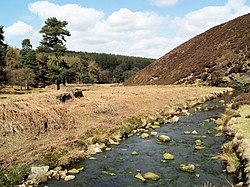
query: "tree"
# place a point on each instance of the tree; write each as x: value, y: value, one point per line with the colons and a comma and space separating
x: 28, y: 58
x: 53, y: 40
x: 42, y: 60
x: 93, y: 70
x: 3, y: 48
x: 81, y: 69
x: 12, y: 58
x: 22, y: 77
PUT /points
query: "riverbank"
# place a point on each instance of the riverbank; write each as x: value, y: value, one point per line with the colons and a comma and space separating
x: 237, y: 126
x: 38, y: 130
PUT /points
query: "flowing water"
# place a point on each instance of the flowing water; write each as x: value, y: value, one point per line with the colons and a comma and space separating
x: 120, y: 161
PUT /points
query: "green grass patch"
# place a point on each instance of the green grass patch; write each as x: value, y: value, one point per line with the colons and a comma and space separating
x: 14, y: 176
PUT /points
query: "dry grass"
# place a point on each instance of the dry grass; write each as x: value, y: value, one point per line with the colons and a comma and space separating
x: 35, y: 125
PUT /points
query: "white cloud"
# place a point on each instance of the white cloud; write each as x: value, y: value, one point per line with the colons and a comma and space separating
x: 118, y: 33
x: 201, y: 20
x: 124, y: 19
x: 20, y: 29
x: 79, y: 18
x: 164, y: 3
x: 125, y: 31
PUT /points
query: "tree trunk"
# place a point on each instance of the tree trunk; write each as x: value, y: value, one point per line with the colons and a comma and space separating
x: 64, y: 81
x: 58, y: 84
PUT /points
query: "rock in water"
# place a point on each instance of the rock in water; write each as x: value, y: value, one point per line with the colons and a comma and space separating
x: 168, y: 156
x: 108, y: 173
x: 69, y: 177
x: 187, y: 168
x: 145, y: 135
x: 139, y: 176
x: 198, y: 142
x: 194, y: 132
x: 164, y: 138
x: 73, y: 171
x: 151, y: 176
x: 153, y: 133
x: 198, y: 147
x: 134, y: 153
x: 174, y: 119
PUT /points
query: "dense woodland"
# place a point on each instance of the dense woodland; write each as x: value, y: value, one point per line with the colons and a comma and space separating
x: 52, y: 63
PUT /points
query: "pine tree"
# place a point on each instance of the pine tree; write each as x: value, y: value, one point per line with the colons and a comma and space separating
x: 28, y: 58
x: 53, y: 40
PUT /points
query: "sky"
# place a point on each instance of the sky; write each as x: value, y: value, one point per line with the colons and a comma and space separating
x: 146, y: 28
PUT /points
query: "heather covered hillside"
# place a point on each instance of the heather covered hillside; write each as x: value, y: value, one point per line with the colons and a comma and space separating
x: 219, y: 56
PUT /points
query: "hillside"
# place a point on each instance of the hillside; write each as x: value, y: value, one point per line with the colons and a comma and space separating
x: 216, y: 57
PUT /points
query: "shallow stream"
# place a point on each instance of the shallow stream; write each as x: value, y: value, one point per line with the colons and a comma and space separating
x: 120, y: 161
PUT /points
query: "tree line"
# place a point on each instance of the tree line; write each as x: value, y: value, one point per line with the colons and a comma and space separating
x: 52, y: 63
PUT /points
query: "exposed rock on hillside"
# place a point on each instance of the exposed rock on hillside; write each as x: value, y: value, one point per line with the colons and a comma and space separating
x: 216, y: 57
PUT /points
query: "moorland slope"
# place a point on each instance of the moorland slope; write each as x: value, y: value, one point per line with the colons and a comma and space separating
x: 216, y: 57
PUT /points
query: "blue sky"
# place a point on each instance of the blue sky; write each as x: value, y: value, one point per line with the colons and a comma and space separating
x: 147, y: 28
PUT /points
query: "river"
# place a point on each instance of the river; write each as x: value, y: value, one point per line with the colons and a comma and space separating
x: 120, y: 161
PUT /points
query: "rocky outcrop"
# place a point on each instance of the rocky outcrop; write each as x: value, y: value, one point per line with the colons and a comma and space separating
x: 71, y: 93
x: 64, y: 97
x: 75, y: 92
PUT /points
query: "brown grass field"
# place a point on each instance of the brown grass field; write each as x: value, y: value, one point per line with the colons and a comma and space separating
x: 36, y: 129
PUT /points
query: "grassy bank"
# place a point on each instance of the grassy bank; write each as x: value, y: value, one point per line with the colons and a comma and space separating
x: 240, y: 128
x: 38, y: 130
x: 236, y: 123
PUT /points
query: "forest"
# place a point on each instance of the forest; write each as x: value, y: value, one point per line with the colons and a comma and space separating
x: 52, y: 63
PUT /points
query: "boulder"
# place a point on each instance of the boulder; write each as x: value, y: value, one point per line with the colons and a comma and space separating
x: 156, y: 123
x: 156, y: 126
x: 145, y: 135
x: 139, y: 176
x: 220, y: 134
x: 94, y: 148
x: 187, y: 168
x: 194, y: 132
x: 198, y: 142
x: 63, y: 175
x: 73, y: 171
x: 198, y: 147
x: 174, y: 119
x: 151, y: 176
x: 153, y: 133
x: 168, y: 156
x: 38, y: 174
x: 63, y: 97
x: 164, y: 138
x: 218, y: 128
x: 69, y: 177
x: 76, y: 92
x: 134, y: 153
x: 187, y: 132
